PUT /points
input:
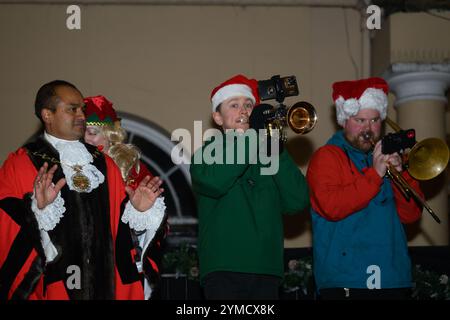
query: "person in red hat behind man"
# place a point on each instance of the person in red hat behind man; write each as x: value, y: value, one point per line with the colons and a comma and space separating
x: 359, y: 245
x: 240, y: 242
x: 103, y: 130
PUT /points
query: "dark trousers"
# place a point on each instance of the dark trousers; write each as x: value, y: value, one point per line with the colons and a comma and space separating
x: 364, y: 294
x: 224, y: 285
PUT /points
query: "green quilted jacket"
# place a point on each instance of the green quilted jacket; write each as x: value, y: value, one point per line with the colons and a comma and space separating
x: 240, y: 212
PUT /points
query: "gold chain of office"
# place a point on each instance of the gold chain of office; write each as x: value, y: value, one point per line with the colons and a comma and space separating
x: 80, y: 182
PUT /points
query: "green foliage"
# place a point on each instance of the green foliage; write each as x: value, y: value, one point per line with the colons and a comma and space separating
x: 429, y: 285
x: 299, y: 276
x: 183, y: 262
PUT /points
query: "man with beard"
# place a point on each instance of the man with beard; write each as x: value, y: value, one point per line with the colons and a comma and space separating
x: 66, y: 217
x: 360, y: 247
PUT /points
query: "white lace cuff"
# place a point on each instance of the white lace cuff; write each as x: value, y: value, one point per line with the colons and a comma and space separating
x: 148, y: 220
x: 50, y: 250
x: 48, y: 217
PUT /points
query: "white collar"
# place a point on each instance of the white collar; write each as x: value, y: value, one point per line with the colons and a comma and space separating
x: 54, y: 140
x: 72, y: 153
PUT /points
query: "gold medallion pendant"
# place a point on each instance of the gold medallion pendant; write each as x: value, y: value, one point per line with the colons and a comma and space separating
x: 80, y: 182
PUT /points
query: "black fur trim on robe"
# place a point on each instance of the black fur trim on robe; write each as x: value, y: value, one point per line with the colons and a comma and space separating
x: 27, y: 238
x: 124, y: 245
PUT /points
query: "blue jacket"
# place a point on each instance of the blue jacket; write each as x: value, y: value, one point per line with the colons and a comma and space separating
x: 347, y: 251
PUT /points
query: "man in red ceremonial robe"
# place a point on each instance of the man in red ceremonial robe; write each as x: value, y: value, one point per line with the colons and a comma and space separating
x: 66, y: 217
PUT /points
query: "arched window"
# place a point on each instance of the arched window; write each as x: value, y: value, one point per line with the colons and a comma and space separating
x: 156, y: 147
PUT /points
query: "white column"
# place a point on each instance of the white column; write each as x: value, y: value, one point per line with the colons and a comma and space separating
x: 421, y: 101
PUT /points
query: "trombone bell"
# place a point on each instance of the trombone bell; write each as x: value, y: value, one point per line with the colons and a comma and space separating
x: 302, y: 117
x: 428, y: 158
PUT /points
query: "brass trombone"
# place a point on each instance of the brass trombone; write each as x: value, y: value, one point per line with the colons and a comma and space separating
x: 426, y: 160
x: 301, y: 118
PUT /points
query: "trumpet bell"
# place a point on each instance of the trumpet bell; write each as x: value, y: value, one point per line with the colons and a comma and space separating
x: 428, y: 158
x: 302, y: 117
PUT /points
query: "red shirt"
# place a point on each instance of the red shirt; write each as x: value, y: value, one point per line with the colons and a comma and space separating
x: 336, y: 187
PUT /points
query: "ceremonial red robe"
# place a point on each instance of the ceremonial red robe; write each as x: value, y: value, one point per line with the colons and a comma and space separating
x: 23, y: 271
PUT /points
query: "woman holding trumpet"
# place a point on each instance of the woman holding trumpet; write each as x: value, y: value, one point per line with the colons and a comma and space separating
x: 360, y: 247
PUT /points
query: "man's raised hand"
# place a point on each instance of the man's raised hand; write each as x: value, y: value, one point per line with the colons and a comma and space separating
x: 45, y: 191
x: 145, y: 194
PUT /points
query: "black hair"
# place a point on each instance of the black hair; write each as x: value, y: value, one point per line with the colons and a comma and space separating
x: 46, y: 97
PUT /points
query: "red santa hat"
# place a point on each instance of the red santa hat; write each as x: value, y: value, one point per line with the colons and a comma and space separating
x: 352, y: 96
x: 237, y: 86
x: 99, y: 111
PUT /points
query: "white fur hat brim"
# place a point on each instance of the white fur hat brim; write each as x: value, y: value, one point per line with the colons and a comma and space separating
x: 230, y: 91
x: 371, y: 99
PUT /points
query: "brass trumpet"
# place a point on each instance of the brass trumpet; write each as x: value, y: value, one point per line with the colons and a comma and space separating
x: 426, y: 160
x: 301, y: 118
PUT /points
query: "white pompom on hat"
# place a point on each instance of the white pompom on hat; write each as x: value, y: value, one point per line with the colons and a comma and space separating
x: 352, y: 96
x: 236, y: 86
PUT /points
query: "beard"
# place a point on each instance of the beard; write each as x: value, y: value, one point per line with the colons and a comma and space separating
x: 361, y: 141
